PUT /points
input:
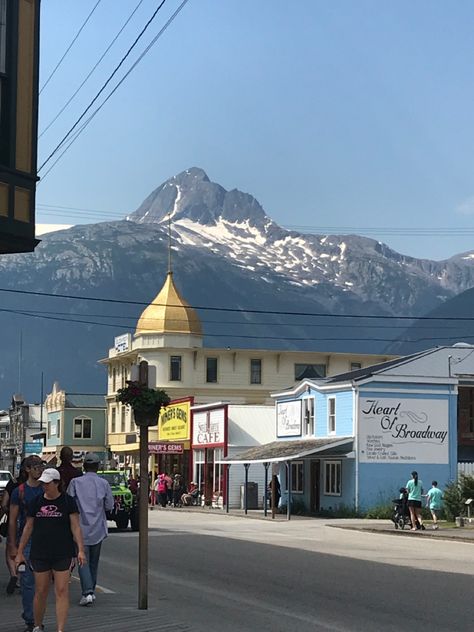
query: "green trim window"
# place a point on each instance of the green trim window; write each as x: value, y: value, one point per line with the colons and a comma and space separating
x: 255, y: 371
x: 211, y: 370
x: 175, y: 369
x: 82, y: 428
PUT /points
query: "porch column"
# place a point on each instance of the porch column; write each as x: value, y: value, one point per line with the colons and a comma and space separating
x: 288, y: 484
x: 265, y: 495
x: 227, y: 487
x: 246, y: 466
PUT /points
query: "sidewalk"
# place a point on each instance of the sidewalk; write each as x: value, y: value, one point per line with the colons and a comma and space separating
x: 112, y: 611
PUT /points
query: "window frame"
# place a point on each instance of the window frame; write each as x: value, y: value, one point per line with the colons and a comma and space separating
x: 308, y: 425
x: 113, y: 419
x: 332, y: 476
x: 82, y: 419
x: 297, y: 477
x: 305, y: 365
x: 354, y: 367
x: 208, y: 370
x: 176, y: 361
x: 331, y: 416
x: 257, y: 373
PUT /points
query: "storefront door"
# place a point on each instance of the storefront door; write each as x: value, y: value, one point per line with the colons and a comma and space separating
x: 315, y: 476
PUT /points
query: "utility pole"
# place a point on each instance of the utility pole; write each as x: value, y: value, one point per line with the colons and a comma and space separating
x: 143, y: 504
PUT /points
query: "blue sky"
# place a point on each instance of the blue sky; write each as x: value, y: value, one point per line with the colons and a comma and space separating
x: 332, y: 114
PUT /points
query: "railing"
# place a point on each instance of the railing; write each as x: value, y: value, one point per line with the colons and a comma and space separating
x: 466, y: 468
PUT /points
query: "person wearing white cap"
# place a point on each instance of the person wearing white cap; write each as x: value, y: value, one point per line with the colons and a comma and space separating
x: 94, y: 497
x: 53, y: 525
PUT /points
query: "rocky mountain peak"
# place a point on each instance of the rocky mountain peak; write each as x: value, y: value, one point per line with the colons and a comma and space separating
x: 190, y: 195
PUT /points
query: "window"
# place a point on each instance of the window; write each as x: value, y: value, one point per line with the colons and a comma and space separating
x: 211, y: 370
x: 122, y: 419
x: 114, y: 380
x: 308, y: 416
x: 331, y: 415
x: 332, y: 478
x: 4, y: 97
x: 255, y: 371
x: 3, y: 36
x: 124, y: 376
x: 58, y: 428
x: 82, y: 428
x: 113, y: 419
x: 355, y: 366
x: 175, y: 369
x: 297, y: 477
x: 309, y: 371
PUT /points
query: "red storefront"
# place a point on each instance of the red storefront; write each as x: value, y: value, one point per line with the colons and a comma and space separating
x: 209, y: 446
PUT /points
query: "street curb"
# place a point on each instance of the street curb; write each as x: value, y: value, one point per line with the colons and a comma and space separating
x: 407, y: 532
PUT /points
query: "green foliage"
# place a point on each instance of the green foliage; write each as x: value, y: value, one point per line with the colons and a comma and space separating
x: 141, y: 398
x: 340, y: 511
x: 298, y: 508
x: 380, y: 512
x: 455, y: 494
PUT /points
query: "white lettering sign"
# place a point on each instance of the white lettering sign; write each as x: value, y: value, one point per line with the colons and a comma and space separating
x: 403, y: 430
x: 122, y: 343
x: 289, y: 418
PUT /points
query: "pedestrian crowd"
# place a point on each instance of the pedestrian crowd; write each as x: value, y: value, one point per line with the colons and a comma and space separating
x: 56, y: 519
x: 173, y: 492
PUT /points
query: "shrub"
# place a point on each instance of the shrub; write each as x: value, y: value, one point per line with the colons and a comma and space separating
x: 340, y: 511
x: 380, y: 512
x: 453, y: 500
x: 298, y: 508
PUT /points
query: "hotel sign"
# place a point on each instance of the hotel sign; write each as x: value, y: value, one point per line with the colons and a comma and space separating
x: 174, y: 423
x: 403, y: 430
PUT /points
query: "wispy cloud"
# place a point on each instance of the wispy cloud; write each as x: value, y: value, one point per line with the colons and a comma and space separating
x: 466, y: 207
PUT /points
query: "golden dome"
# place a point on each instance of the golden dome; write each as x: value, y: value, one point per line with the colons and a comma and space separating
x: 169, y: 313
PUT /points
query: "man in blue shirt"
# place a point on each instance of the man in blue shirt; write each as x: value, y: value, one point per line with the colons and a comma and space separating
x: 21, y: 497
x: 94, y: 497
x: 434, y: 500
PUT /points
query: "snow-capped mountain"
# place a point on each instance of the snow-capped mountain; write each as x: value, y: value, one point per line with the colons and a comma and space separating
x: 234, y: 225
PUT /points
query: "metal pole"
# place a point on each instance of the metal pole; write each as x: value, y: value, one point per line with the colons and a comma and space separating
x: 288, y: 482
x: 41, y: 402
x: 273, y: 495
x: 246, y: 466
x: 143, y: 522
x: 227, y: 488
x: 265, y: 495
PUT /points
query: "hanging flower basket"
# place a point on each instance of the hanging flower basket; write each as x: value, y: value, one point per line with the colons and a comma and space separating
x: 145, y: 402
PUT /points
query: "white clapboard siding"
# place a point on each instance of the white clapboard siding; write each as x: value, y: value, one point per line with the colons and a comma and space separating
x: 237, y: 478
x: 466, y: 468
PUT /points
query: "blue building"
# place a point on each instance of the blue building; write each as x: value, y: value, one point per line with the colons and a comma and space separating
x: 353, y: 439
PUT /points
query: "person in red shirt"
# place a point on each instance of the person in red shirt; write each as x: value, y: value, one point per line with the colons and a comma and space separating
x: 66, y: 470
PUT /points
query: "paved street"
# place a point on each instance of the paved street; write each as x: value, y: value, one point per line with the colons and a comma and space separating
x: 220, y: 573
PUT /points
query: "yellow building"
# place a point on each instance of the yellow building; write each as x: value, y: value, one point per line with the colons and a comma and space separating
x: 19, y: 61
x: 169, y: 337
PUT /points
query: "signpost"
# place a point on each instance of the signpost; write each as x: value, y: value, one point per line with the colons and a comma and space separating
x: 33, y: 447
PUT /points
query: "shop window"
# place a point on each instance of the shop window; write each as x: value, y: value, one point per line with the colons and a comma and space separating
x: 255, y: 371
x: 331, y: 415
x: 308, y: 416
x: 297, y: 477
x: 355, y: 366
x: 113, y: 419
x: 309, y: 371
x: 332, y: 478
x: 175, y: 369
x: 199, y: 461
x: 82, y: 428
x: 211, y: 370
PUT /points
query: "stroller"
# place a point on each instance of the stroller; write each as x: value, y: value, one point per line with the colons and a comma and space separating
x: 401, y: 514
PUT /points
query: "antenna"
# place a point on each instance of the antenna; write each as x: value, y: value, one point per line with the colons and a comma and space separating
x: 170, y: 271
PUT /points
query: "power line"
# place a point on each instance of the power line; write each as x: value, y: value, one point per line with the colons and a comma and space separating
x: 111, y: 76
x: 241, y: 310
x: 70, y: 46
x: 244, y: 337
x: 147, y: 49
x: 92, y: 69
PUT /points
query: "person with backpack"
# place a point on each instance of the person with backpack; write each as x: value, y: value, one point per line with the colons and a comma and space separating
x: 161, y: 489
x: 21, y: 498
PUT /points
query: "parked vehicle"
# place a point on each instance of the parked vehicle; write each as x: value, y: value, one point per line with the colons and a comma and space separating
x: 125, y: 503
x: 5, y: 476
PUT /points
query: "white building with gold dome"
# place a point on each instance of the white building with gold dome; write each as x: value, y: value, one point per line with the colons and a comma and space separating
x: 169, y: 337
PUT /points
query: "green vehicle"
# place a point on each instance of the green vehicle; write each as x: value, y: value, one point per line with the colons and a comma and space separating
x: 125, y: 503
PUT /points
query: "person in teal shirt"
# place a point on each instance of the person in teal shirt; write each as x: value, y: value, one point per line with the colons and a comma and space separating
x: 415, y: 492
x: 434, y: 500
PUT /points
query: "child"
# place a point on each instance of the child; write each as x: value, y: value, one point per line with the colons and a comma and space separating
x: 434, y: 499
